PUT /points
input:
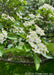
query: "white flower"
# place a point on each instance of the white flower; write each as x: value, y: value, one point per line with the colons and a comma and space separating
x: 20, y: 15
x: 31, y: 15
x: 50, y: 15
x: 1, y: 40
x: 4, y: 33
x: 12, y: 19
x: 4, y: 16
x: 39, y: 30
x: 21, y: 0
x: 36, y: 50
x: 38, y: 16
x: 3, y: 36
x: 21, y: 30
x: 28, y: 23
x: 17, y: 29
x: 38, y: 40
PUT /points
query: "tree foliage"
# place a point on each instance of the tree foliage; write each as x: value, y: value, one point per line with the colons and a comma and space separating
x: 22, y: 25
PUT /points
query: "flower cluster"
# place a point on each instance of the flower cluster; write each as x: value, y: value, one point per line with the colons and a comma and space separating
x: 33, y: 38
x: 7, y: 17
x: 33, y: 19
x: 36, y: 43
x: 38, y: 17
x: 50, y: 15
x: 47, y: 7
x: 28, y: 23
x: 3, y: 36
x: 31, y: 16
x: 19, y: 15
x: 16, y: 29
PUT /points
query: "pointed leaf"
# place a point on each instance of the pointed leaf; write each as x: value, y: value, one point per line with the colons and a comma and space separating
x: 48, y: 56
x: 37, y: 61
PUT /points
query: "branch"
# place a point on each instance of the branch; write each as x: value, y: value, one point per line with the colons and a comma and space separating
x: 22, y: 62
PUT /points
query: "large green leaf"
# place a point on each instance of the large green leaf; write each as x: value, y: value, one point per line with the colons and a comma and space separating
x: 50, y: 47
x: 37, y: 61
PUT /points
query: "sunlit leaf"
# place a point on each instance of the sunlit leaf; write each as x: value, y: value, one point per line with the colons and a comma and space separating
x: 37, y: 61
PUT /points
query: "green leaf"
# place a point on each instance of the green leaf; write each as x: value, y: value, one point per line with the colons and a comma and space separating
x: 20, y: 47
x: 27, y: 47
x: 12, y: 38
x: 10, y: 45
x: 37, y: 61
x: 23, y: 36
x: 46, y: 43
x: 50, y: 47
x: 1, y: 53
x: 48, y: 56
x: 1, y: 47
x: 12, y: 50
x: 1, y: 26
x: 25, y: 2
